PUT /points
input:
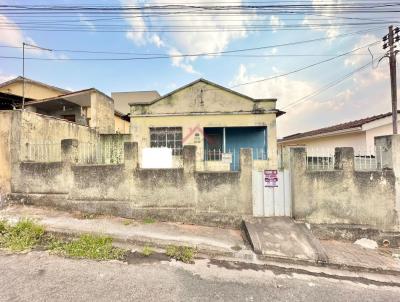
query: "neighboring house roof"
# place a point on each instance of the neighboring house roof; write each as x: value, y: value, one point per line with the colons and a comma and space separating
x: 123, y: 99
x: 20, y: 79
x: 206, y: 82
x: 344, y: 127
x: 70, y: 95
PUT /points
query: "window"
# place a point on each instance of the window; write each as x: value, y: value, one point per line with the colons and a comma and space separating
x: 170, y: 137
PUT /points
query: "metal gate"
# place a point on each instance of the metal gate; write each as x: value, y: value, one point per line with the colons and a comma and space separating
x: 274, y: 201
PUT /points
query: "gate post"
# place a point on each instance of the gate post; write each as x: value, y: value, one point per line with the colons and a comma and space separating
x: 131, y: 156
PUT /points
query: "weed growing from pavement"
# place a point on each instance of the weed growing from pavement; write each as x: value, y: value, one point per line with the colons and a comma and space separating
x: 24, y: 235
x: 3, y: 227
x: 147, y: 251
x: 90, y: 247
x: 127, y: 222
x: 148, y: 220
x: 181, y: 253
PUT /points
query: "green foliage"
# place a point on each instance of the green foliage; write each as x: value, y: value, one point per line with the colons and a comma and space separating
x: 89, y: 216
x: 22, y: 236
x: 181, y: 253
x: 3, y: 226
x: 148, y: 220
x: 127, y: 222
x: 147, y: 251
x: 88, y: 246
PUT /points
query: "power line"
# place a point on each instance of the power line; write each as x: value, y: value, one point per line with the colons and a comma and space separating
x: 306, y: 67
x: 161, y: 56
x: 328, y: 86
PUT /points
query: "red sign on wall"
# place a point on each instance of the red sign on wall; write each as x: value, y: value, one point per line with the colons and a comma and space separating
x: 270, y: 178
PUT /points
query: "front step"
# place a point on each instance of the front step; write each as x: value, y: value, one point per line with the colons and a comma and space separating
x: 281, y: 237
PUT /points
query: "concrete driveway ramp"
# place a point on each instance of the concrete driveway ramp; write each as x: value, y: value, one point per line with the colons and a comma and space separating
x: 281, y: 237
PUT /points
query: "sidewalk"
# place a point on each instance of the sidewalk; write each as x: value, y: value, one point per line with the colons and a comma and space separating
x: 208, y: 240
x: 214, y: 242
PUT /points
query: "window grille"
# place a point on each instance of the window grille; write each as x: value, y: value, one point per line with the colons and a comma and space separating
x: 169, y: 137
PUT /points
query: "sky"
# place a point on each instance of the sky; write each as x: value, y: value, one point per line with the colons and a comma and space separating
x: 362, y: 94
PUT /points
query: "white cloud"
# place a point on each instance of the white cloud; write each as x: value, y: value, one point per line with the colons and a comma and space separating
x: 180, y: 62
x: 364, y: 40
x: 276, y: 22
x: 6, y: 77
x: 156, y: 40
x: 137, y: 24
x: 208, y: 34
x: 12, y: 35
x: 367, y: 93
x: 321, y: 11
x: 87, y: 23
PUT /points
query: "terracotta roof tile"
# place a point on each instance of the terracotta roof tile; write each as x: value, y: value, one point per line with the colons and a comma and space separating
x: 338, y: 127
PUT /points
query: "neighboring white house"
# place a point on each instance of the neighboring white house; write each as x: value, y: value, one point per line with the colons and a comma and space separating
x: 358, y: 134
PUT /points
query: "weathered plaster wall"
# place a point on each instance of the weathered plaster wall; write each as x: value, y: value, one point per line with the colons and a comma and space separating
x: 203, y: 105
x: 5, y: 154
x: 357, y: 140
x: 121, y: 126
x: 126, y: 190
x: 102, y: 113
x: 205, y: 98
x: 37, y: 128
x: 41, y: 178
x: 192, y: 124
x: 18, y: 129
x: 343, y: 195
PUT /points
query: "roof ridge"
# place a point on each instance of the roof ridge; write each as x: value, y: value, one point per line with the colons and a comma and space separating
x: 338, y: 127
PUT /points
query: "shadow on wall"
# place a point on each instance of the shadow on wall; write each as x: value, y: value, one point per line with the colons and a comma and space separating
x: 343, y: 195
x: 123, y: 189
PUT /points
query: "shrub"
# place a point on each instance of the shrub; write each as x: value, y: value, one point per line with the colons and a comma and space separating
x: 89, y: 246
x: 147, y: 251
x: 22, y: 236
x: 3, y: 226
x: 148, y: 220
x: 181, y: 253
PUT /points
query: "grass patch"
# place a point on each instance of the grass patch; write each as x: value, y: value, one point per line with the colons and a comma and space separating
x: 148, y: 220
x: 90, y: 247
x: 181, y: 253
x: 127, y: 222
x: 89, y: 216
x: 3, y: 227
x: 22, y: 236
x: 147, y: 251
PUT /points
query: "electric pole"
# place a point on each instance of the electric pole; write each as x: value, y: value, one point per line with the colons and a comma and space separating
x: 23, y: 67
x: 390, y: 39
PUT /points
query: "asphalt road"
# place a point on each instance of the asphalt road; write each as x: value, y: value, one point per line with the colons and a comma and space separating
x: 39, y: 277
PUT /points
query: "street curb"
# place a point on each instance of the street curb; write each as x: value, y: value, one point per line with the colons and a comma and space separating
x: 248, y: 259
x: 279, y: 268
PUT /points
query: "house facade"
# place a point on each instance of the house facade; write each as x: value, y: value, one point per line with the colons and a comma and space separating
x: 217, y: 120
x: 359, y: 134
x: 88, y: 107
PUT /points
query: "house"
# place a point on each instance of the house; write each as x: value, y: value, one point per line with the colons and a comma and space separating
x: 122, y: 99
x: 215, y: 119
x: 88, y: 107
x: 359, y: 134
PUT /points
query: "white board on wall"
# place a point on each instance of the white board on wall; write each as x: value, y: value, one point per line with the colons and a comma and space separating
x: 156, y: 158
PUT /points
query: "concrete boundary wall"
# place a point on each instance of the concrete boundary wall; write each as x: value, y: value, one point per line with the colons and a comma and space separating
x: 346, y: 196
x: 183, y: 194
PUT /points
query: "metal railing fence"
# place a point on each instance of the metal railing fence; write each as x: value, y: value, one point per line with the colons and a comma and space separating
x: 100, y: 153
x: 320, y: 159
x: 368, y: 159
x: 47, y: 151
